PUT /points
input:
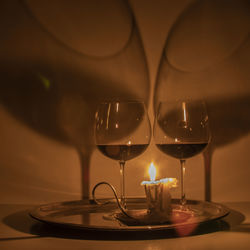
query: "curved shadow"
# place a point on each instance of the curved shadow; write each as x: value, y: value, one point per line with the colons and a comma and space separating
x: 45, y: 18
x: 206, y: 33
x: 196, y: 65
x: 54, y: 90
x: 60, y: 111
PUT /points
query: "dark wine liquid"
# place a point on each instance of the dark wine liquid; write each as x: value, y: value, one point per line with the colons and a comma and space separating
x: 182, y: 151
x: 122, y: 152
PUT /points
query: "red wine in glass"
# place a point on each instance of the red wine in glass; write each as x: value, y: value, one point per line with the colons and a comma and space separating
x: 181, y: 130
x: 122, y: 132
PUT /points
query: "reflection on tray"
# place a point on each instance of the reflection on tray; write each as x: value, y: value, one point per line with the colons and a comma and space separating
x: 88, y: 216
x: 143, y: 218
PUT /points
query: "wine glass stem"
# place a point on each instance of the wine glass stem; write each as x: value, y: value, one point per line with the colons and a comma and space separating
x: 122, y: 183
x: 183, y: 196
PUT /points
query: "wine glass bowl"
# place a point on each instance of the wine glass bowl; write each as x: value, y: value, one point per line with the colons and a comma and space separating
x: 115, y: 121
x: 181, y: 130
x: 122, y: 132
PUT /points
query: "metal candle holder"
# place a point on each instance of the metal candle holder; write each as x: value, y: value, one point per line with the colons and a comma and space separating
x: 158, y: 201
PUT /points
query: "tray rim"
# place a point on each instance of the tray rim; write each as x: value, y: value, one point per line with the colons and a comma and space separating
x: 35, y: 214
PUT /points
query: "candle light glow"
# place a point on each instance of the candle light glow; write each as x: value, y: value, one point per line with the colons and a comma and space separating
x: 171, y: 182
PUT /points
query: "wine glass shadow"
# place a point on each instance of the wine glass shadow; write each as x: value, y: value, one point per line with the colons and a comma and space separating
x: 206, y: 57
x: 53, y: 85
x: 207, y: 33
x: 66, y: 115
x: 228, y: 123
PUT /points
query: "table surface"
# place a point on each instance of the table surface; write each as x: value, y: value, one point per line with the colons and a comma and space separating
x: 19, y: 231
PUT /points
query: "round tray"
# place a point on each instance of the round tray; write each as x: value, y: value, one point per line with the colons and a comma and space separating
x: 85, y: 214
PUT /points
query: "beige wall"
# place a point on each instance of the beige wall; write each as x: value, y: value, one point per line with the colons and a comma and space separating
x: 45, y: 137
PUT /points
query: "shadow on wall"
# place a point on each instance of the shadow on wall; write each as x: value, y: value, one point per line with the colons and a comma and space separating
x: 59, y: 59
x: 207, y: 56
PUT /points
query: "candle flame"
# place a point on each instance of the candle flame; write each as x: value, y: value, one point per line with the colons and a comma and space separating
x: 167, y: 182
x: 152, y: 172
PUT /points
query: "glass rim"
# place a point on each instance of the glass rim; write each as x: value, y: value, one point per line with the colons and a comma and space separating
x: 141, y: 101
x: 184, y: 100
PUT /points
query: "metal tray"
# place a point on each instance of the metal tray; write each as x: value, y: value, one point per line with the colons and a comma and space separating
x: 86, y: 215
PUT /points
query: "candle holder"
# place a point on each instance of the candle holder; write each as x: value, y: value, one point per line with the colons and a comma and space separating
x: 158, y: 198
x: 158, y: 204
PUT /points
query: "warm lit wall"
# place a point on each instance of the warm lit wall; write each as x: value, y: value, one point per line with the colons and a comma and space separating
x: 46, y: 129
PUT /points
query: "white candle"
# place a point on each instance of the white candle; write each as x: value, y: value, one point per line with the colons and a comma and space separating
x: 158, y: 195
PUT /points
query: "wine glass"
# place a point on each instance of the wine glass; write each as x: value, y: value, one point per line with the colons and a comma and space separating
x: 122, y: 132
x: 181, y: 130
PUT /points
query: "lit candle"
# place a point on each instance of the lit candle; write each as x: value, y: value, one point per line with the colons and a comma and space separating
x: 158, y: 195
